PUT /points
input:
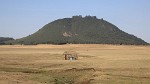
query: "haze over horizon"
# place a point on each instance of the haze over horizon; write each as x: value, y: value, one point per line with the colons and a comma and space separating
x: 20, y: 18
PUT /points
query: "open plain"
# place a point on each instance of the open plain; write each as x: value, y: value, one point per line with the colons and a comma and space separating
x: 97, y: 64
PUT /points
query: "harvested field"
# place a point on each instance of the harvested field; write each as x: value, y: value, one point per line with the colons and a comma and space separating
x: 97, y: 64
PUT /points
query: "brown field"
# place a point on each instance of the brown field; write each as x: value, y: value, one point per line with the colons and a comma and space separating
x: 97, y: 64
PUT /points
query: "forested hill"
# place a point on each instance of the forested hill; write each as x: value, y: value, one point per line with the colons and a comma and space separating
x: 3, y: 39
x: 80, y: 30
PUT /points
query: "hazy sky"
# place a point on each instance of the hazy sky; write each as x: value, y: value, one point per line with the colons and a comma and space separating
x: 19, y: 18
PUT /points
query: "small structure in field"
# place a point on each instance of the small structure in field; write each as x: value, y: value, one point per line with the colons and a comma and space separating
x: 70, y: 55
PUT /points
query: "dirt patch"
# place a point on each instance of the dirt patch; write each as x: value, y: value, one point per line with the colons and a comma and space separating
x: 83, y: 69
x: 16, y: 78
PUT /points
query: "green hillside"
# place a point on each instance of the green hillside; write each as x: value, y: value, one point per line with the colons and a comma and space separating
x: 3, y: 39
x: 80, y: 30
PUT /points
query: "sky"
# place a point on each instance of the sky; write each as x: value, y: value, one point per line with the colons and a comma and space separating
x: 20, y: 18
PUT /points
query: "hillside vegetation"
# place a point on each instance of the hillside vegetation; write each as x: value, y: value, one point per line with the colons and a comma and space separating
x: 3, y: 39
x: 80, y: 30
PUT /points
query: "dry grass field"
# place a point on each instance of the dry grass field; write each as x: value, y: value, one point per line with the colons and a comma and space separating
x: 97, y: 64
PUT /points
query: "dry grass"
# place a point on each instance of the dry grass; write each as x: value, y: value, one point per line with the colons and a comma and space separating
x: 97, y: 64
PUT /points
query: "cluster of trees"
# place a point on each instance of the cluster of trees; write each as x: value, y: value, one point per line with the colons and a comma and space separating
x: 3, y: 39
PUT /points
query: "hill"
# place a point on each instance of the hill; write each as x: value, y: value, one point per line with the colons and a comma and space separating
x: 3, y: 39
x: 80, y: 30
